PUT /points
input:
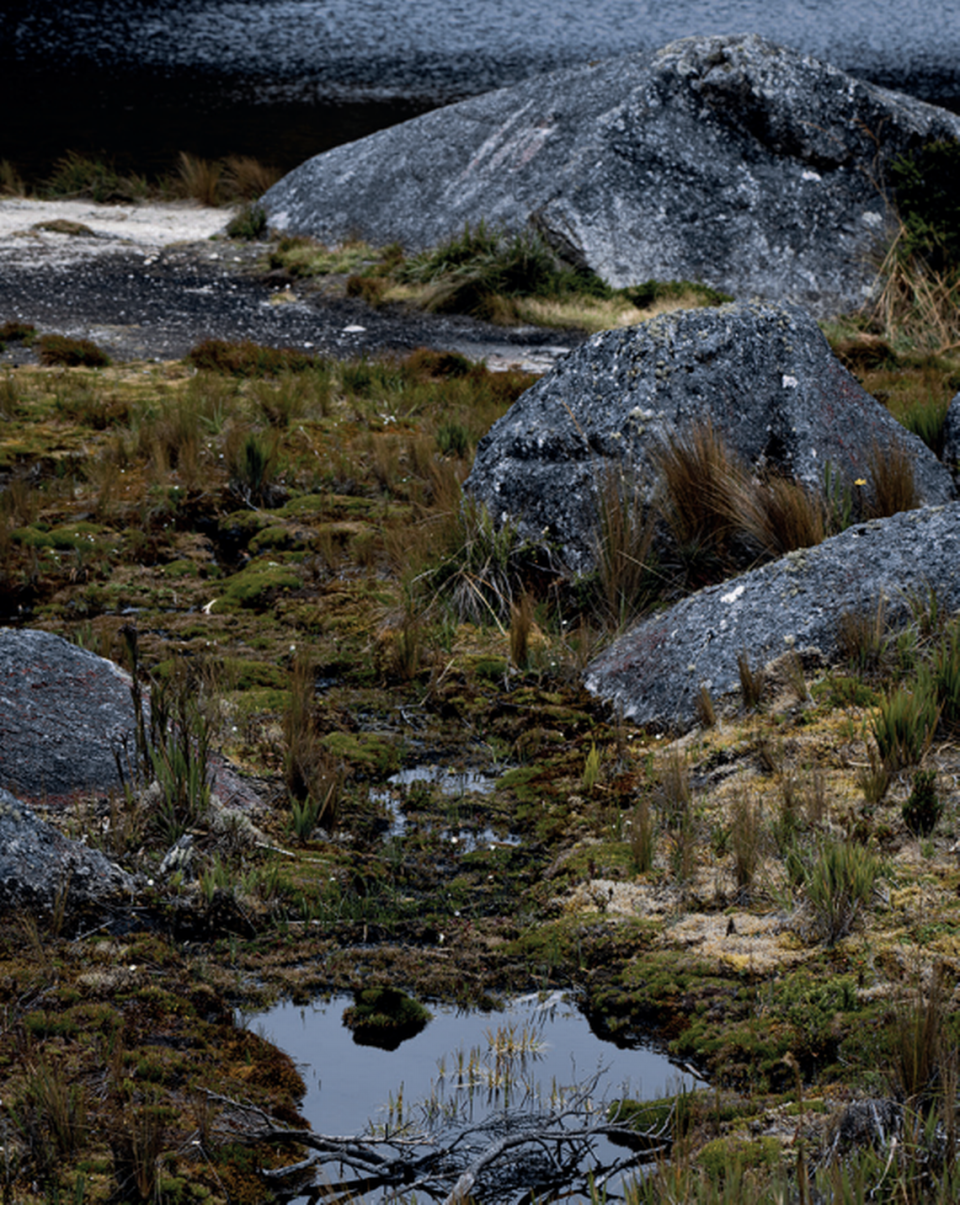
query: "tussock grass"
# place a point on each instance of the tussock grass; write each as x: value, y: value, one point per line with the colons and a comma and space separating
x: 700, y: 478
x: 11, y: 182
x: 199, y: 179
x: 77, y: 175
x: 893, y: 488
x: 246, y: 179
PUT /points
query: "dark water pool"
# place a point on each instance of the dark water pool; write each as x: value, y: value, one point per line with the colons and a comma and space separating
x: 351, y: 1087
x: 284, y: 79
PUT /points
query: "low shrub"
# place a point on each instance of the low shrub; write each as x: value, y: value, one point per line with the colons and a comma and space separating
x: 249, y: 359
x: 469, y: 272
x: 68, y: 352
x: 14, y: 332
x: 248, y: 223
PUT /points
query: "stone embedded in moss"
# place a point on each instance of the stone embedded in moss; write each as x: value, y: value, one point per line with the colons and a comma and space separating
x: 385, y: 1017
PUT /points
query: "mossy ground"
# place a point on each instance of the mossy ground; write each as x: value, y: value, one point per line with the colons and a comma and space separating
x: 136, y: 489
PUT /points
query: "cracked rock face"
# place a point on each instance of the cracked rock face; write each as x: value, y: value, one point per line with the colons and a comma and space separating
x: 63, y: 713
x: 729, y: 160
x: 655, y: 670
x: 762, y: 374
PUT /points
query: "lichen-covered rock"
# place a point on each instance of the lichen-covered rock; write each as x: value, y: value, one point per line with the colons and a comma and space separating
x: 38, y: 864
x: 655, y: 670
x: 63, y: 713
x: 729, y: 160
x: 761, y: 373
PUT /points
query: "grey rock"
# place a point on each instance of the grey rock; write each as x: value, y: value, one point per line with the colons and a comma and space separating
x: 37, y: 863
x: 762, y: 373
x: 655, y: 670
x: 63, y: 712
x: 729, y: 160
x: 178, y: 859
x: 865, y: 1123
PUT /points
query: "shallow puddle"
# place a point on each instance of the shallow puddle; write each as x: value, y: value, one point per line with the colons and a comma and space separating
x: 452, y: 784
x: 460, y: 1057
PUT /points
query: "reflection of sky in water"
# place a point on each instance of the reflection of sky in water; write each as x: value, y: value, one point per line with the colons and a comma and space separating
x: 349, y: 1085
x: 424, y: 46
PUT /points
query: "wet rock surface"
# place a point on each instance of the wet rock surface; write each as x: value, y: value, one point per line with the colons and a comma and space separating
x: 730, y: 160
x: 656, y: 670
x: 762, y: 374
x: 38, y: 863
x: 63, y: 713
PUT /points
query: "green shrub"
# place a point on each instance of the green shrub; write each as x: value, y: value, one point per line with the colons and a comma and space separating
x: 925, y: 188
x: 249, y: 222
x: 904, y: 725
x: 923, y: 808
x: 838, y: 884
x: 468, y: 271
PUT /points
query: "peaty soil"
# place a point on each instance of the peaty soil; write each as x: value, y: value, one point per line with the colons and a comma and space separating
x: 151, y: 281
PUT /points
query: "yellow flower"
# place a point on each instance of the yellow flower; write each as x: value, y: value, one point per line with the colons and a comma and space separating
x: 860, y: 481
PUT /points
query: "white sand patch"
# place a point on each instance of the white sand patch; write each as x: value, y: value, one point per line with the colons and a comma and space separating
x: 125, y: 228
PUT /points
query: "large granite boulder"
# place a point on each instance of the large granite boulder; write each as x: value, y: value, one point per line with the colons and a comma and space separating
x: 761, y: 373
x: 655, y: 670
x: 64, y: 712
x: 38, y: 863
x: 729, y: 160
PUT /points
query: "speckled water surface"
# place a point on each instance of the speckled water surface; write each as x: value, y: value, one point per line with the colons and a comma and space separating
x: 285, y: 78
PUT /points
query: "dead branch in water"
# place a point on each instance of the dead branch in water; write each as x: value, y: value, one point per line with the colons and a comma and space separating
x: 450, y: 1159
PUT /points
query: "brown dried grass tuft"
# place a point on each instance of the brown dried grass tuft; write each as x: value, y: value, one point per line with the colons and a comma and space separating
x: 700, y: 482
x: 779, y: 515
x: 247, y: 178
x: 199, y: 179
x: 917, y: 305
x: 893, y: 486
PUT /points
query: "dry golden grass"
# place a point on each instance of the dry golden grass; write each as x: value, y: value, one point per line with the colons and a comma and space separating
x: 917, y: 305
x: 199, y: 179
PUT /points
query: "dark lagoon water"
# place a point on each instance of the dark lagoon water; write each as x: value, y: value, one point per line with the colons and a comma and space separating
x: 284, y: 79
x: 475, y: 1064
